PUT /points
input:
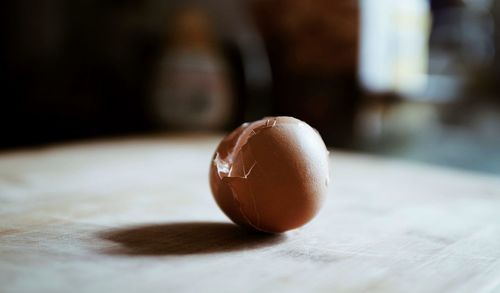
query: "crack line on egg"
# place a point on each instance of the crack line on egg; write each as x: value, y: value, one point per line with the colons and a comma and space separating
x: 246, y: 173
x: 231, y: 178
x: 254, y: 201
x: 250, y: 170
x: 243, y: 165
x: 252, y: 195
x: 225, y: 171
x: 240, y: 207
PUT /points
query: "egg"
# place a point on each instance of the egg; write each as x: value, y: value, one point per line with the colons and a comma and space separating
x: 271, y: 175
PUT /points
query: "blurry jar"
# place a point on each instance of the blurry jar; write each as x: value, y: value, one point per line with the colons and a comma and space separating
x: 192, y: 89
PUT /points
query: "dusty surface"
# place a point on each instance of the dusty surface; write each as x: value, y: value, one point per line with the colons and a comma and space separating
x: 136, y: 215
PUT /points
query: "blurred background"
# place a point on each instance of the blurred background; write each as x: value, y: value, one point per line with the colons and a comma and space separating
x: 411, y: 79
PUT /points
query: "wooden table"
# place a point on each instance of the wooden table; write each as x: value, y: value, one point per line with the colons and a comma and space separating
x: 136, y: 215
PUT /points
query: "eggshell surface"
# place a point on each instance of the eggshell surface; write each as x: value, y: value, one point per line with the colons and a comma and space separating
x: 270, y: 175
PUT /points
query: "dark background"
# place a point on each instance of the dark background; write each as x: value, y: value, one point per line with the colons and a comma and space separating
x: 80, y: 69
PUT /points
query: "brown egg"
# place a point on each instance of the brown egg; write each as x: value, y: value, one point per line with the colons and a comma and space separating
x: 270, y: 175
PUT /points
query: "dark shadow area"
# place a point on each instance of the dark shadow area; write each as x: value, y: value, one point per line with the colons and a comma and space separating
x: 185, y: 238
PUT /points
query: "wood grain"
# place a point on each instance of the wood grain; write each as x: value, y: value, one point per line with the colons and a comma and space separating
x: 136, y: 215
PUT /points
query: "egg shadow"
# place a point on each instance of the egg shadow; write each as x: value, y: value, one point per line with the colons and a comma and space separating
x: 184, y: 238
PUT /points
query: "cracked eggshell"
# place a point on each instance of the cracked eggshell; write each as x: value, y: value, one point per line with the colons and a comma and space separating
x: 270, y: 175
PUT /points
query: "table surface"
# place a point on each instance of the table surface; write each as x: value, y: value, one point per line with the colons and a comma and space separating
x: 136, y: 214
